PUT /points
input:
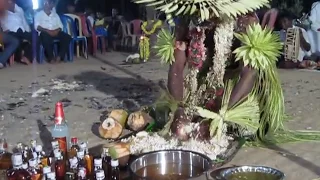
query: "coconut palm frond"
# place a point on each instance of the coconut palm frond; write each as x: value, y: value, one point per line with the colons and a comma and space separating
x: 260, y: 50
x: 261, y: 47
x: 205, y: 9
x: 165, y: 46
x: 245, y: 114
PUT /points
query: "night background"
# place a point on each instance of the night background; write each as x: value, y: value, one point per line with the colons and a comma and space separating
x: 130, y: 10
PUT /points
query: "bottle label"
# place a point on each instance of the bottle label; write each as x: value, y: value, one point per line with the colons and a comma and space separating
x: 97, y: 167
x: 82, y: 173
x: 62, y: 144
x: 17, y: 160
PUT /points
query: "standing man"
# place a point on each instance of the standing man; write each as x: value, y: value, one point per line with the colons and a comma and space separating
x: 49, y: 25
x: 15, y: 24
x: 10, y: 42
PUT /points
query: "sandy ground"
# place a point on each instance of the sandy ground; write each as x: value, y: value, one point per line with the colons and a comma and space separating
x: 106, y: 83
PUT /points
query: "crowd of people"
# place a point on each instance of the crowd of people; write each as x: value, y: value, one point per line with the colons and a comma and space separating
x: 16, y: 31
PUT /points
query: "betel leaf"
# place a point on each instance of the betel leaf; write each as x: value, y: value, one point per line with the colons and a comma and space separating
x: 113, y: 153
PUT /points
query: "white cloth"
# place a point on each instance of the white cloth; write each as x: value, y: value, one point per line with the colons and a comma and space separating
x: 15, y: 20
x: 50, y: 22
x: 315, y: 16
x: 91, y: 20
x: 303, y: 53
x: 313, y: 33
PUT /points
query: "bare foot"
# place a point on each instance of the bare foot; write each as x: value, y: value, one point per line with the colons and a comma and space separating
x: 58, y: 60
x: 25, y: 60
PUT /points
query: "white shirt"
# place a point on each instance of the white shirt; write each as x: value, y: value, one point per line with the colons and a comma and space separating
x: 315, y: 16
x: 91, y: 20
x: 303, y: 53
x: 15, y: 20
x: 50, y: 22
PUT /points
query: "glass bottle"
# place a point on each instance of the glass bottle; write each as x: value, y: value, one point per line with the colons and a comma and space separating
x: 100, y: 175
x: 33, y: 144
x: 45, y: 171
x: 88, y: 159
x: 5, y: 156
x: 97, y: 166
x: 115, y: 172
x: 73, y: 169
x: 82, y: 169
x: 106, y: 162
x: 43, y: 160
x: 16, y: 172
x: 60, y: 130
x: 74, y: 148
x: 51, y: 176
x: 60, y: 165
x: 33, y: 170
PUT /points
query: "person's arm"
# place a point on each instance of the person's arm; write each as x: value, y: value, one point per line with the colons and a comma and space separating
x: 304, y: 42
x: 37, y: 23
x: 24, y: 21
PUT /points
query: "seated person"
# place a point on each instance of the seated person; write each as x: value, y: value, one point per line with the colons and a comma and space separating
x: 286, y: 21
x: 49, y: 25
x: 15, y: 24
x: 90, y: 16
x: 71, y: 7
x: 10, y: 44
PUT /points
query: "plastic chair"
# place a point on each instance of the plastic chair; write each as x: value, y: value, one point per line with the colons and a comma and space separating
x: 136, y: 24
x: 88, y: 31
x: 125, y: 34
x: 78, y: 35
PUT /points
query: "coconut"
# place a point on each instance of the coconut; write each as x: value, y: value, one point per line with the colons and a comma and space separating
x: 138, y: 120
x: 181, y: 125
x: 112, y: 127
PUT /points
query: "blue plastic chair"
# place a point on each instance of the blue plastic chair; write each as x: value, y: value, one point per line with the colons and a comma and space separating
x: 77, y: 33
x: 70, y: 55
x: 69, y: 28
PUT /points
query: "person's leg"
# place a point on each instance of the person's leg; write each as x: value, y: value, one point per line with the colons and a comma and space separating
x: 27, y: 47
x: 47, y: 43
x: 10, y: 46
x: 65, y: 40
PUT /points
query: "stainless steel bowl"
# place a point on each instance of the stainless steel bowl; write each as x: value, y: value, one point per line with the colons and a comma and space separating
x: 177, y: 164
x: 278, y: 175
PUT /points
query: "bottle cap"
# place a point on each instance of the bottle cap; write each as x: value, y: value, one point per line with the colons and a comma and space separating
x: 59, y: 114
x: 46, y: 169
x: 33, y: 162
x: 25, y: 166
x: 19, y: 145
x: 100, y: 174
x: 57, y: 154
x: 80, y: 154
x: 38, y: 148
x: 97, y: 162
x: 16, y: 159
x: 83, y: 145
x: 54, y: 144
x: 74, y: 140
x: 51, y: 175
x: 114, y: 162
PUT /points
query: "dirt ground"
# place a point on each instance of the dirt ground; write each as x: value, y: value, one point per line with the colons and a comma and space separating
x: 104, y: 83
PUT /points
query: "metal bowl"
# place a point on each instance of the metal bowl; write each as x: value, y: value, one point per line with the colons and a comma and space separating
x: 228, y: 173
x: 169, y: 164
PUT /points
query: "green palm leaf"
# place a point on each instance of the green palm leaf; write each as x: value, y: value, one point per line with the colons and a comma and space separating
x: 165, y: 46
x: 206, y: 9
x: 260, y: 47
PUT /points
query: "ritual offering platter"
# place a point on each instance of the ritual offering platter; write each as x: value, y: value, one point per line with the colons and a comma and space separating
x: 252, y: 173
x: 169, y: 164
